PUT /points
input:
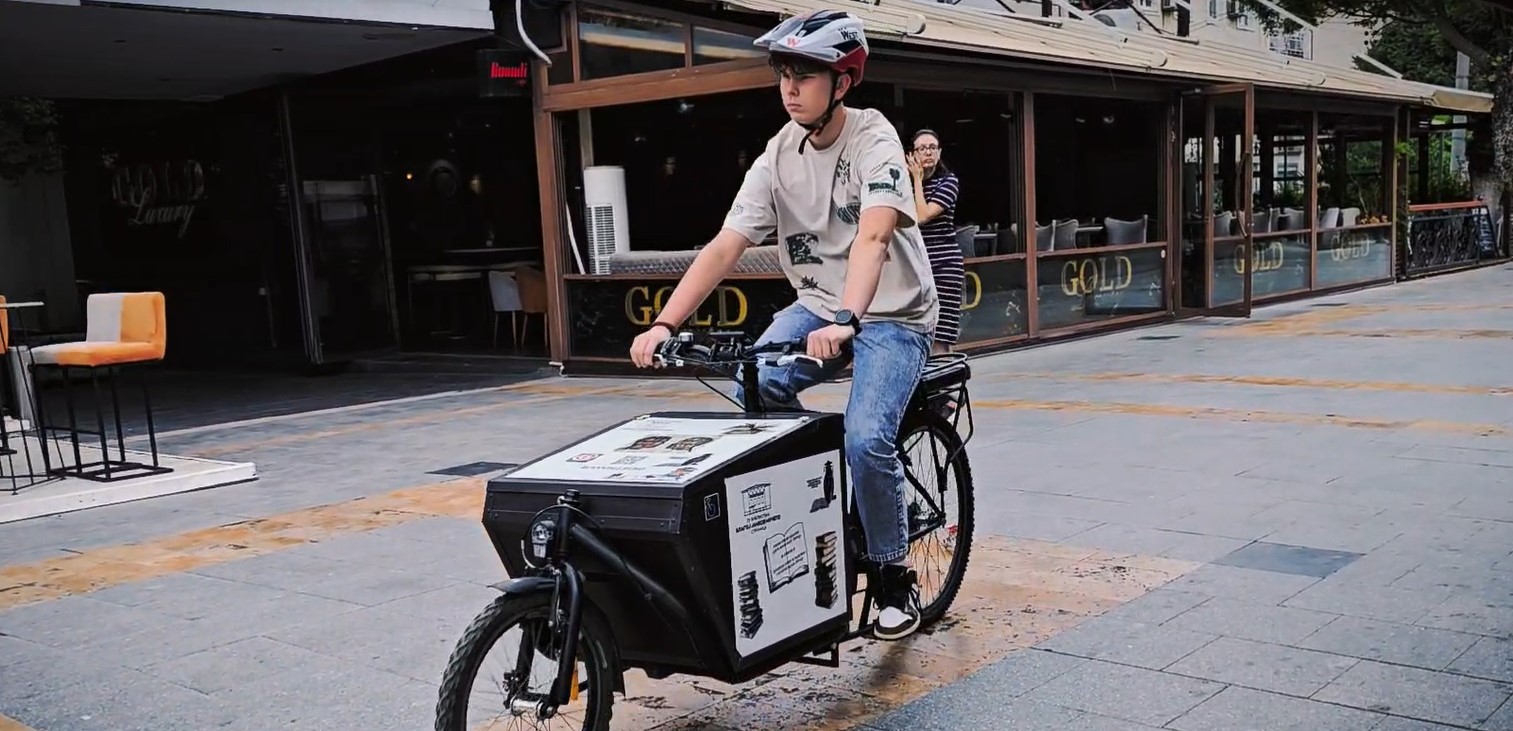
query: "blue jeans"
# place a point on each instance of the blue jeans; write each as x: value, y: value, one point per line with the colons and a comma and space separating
x: 888, y: 359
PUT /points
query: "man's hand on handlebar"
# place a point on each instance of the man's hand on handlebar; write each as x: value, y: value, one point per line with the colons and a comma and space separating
x: 826, y: 343
x: 646, y: 345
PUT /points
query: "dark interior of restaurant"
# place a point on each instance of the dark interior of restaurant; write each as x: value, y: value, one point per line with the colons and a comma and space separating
x: 446, y: 224
x: 1097, y: 159
x: 684, y: 159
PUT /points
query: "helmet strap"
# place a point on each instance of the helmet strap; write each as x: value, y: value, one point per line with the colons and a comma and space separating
x: 818, y: 125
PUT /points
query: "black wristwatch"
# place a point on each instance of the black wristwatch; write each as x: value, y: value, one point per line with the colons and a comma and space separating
x: 848, y: 318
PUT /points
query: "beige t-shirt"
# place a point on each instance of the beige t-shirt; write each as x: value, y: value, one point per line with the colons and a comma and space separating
x: 814, y: 200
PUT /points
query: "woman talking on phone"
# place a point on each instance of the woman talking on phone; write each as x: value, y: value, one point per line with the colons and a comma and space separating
x: 935, y: 190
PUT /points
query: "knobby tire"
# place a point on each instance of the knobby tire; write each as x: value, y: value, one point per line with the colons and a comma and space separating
x: 504, y: 613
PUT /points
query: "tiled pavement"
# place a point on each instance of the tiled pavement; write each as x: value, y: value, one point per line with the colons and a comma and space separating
x: 1302, y: 521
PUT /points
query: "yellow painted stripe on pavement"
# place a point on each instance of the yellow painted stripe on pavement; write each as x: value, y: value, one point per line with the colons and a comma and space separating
x: 10, y: 724
x: 1321, y: 383
x: 95, y: 569
x: 1256, y: 415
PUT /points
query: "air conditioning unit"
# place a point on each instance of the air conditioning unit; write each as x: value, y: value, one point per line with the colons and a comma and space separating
x: 605, y: 214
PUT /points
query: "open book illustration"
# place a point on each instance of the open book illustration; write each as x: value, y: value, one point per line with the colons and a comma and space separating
x: 787, y: 555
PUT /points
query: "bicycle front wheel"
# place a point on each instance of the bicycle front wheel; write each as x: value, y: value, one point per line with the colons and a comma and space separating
x: 938, y: 497
x: 505, y: 663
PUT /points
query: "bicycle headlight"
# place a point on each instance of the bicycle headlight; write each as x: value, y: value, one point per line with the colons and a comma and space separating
x: 541, y: 534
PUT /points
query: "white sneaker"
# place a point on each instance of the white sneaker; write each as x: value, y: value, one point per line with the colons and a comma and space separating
x: 898, y: 603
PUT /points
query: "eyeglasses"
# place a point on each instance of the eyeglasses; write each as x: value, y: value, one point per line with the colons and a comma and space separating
x: 927, y: 148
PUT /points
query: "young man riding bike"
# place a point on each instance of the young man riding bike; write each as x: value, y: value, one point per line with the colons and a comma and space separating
x: 834, y: 184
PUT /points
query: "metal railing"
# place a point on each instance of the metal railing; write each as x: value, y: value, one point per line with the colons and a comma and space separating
x: 1451, y: 235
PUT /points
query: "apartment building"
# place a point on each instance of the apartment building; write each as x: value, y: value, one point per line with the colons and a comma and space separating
x: 1334, y: 42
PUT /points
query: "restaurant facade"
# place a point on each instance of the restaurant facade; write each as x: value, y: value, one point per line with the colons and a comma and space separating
x: 1108, y: 179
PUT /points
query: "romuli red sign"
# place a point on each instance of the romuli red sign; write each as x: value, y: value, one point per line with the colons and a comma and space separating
x: 503, y: 73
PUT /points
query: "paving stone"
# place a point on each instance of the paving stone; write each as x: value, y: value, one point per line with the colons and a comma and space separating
x: 1156, y: 607
x: 1197, y: 547
x: 31, y: 669
x: 1261, y: 587
x: 1021, y: 672
x: 1128, y: 643
x: 75, y: 621
x: 1301, y: 560
x: 942, y: 711
x: 1242, y: 709
x: 391, y: 640
x: 1468, y: 614
x: 1490, y: 658
x: 1259, y: 622
x: 125, y: 700
x: 1368, y: 601
x: 1120, y: 691
x: 1399, y: 644
x: 466, y: 556
x: 331, y: 694
x: 1398, y: 723
x: 233, y: 665
x: 330, y: 579
x: 1261, y: 666
x: 1502, y: 720
x: 1416, y: 693
x: 187, y: 595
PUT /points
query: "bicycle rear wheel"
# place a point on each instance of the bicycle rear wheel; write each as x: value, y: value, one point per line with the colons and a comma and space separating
x: 938, y: 496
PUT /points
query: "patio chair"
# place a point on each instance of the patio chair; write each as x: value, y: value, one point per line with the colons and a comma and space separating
x: 122, y: 329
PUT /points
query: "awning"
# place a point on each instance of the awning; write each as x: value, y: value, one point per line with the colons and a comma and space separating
x: 1083, y: 43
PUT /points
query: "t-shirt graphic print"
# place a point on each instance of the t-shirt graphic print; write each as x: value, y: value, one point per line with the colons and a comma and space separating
x: 814, y: 201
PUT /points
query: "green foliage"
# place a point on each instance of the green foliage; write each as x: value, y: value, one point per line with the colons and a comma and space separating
x: 28, y: 137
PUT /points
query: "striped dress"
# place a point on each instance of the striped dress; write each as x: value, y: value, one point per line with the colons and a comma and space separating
x: 945, y: 256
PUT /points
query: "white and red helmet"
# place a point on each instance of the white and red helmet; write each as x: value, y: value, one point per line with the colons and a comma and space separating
x: 832, y: 37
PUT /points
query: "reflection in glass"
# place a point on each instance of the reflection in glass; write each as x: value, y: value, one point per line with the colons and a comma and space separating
x: 1078, y: 289
x: 612, y: 43
x: 716, y: 46
x: 993, y: 301
x: 1280, y: 264
x: 1350, y: 170
x: 1358, y: 255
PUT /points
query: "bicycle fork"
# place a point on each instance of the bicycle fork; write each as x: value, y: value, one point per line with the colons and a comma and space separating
x: 565, y: 617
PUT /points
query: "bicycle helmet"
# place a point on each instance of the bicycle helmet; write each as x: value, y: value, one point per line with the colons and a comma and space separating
x: 832, y: 38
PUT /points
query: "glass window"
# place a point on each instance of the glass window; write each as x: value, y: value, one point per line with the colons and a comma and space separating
x: 993, y: 302
x: 1098, y: 186
x: 1354, y: 216
x: 1279, y: 204
x: 612, y: 43
x: 977, y: 139
x: 717, y: 46
x: 1097, y: 173
x: 1078, y: 288
x: 684, y: 160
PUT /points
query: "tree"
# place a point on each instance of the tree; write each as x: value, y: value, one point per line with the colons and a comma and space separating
x: 1481, y: 29
x: 28, y: 137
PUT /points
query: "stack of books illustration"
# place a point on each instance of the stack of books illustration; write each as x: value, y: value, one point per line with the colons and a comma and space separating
x: 751, y: 610
x: 824, y: 570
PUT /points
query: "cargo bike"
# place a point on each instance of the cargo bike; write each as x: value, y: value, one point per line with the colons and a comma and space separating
x: 722, y: 545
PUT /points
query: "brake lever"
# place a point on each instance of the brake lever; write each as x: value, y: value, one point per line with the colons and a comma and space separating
x: 662, y: 360
x: 783, y: 360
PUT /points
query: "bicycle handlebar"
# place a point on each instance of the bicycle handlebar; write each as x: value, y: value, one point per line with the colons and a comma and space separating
x: 731, y: 349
